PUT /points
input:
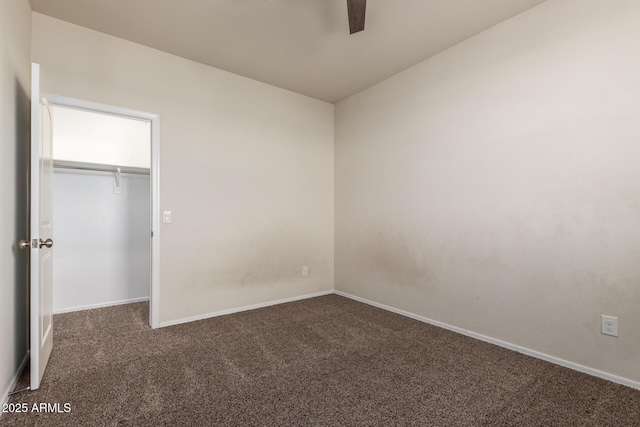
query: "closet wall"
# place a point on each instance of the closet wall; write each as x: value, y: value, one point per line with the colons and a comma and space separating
x: 101, y: 232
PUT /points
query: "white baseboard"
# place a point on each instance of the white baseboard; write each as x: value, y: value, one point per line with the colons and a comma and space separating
x: 105, y: 304
x: 14, y: 381
x: 524, y: 350
x: 239, y: 309
x: 514, y: 347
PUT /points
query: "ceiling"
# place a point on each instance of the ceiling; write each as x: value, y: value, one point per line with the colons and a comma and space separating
x: 300, y: 45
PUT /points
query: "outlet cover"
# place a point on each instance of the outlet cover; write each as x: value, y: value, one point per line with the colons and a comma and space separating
x: 609, y: 325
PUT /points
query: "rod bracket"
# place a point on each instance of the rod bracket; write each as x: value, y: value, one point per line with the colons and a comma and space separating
x: 117, y: 189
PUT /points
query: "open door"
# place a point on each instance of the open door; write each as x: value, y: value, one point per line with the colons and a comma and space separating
x: 41, y: 225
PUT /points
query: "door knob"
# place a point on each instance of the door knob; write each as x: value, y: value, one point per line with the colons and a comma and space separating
x: 23, y: 245
x: 48, y: 243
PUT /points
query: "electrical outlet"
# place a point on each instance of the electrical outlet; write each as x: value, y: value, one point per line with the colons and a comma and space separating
x: 305, y: 271
x: 610, y: 325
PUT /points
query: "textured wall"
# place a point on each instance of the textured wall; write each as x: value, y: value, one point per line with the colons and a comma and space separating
x: 246, y: 168
x: 496, y: 186
x: 15, y: 89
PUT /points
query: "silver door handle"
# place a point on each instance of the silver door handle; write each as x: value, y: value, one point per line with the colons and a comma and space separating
x: 48, y: 243
x: 23, y: 245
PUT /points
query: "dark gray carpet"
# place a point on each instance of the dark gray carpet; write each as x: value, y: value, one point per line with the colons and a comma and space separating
x: 324, y: 361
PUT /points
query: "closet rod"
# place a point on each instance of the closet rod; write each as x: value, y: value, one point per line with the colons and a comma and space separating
x: 64, y: 164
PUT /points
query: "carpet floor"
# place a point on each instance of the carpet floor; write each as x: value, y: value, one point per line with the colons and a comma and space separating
x: 326, y: 361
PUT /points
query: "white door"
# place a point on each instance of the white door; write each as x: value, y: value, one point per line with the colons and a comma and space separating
x: 41, y: 212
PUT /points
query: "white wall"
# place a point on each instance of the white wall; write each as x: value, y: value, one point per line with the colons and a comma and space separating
x: 496, y: 186
x: 246, y: 168
x: 15, y: 88
x: 102, y: 239
x: 85, y: 136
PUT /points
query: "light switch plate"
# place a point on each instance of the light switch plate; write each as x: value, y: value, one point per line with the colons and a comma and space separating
x: 166, y: 217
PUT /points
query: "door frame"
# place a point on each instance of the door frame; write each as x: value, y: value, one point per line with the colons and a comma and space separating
x: 154, y: 176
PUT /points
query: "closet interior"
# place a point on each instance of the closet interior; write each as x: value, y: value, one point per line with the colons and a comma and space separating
x: 101, y: 209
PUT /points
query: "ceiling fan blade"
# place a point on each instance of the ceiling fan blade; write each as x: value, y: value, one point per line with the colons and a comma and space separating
x: 356, y: 10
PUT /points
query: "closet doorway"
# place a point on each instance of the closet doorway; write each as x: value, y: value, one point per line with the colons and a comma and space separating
x: 105, y: 206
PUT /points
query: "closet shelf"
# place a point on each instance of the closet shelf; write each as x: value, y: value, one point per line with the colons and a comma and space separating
x: 66, y: 164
